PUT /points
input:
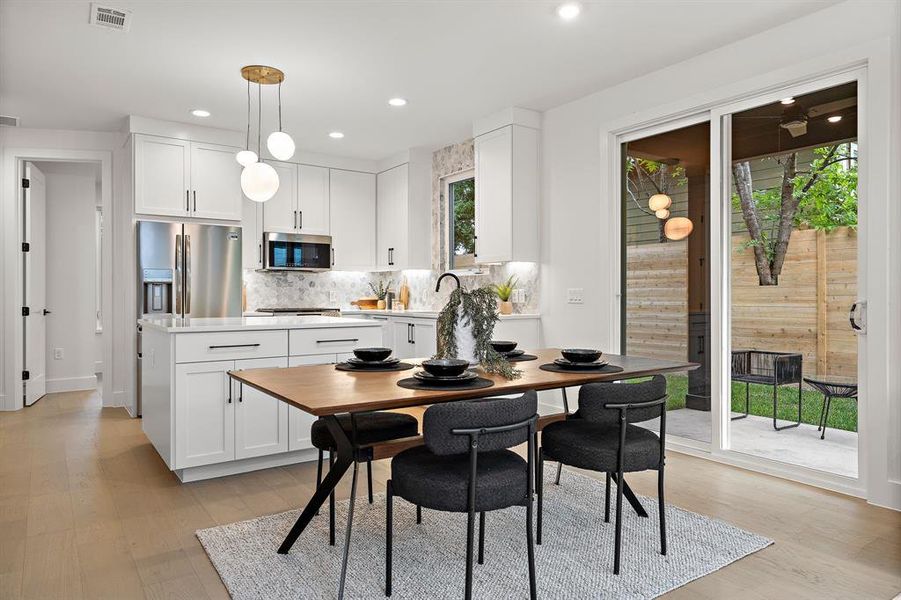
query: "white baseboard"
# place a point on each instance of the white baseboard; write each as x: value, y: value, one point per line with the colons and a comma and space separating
x: 71, y: 384
x: 120, y: 398
x: 244, y: 466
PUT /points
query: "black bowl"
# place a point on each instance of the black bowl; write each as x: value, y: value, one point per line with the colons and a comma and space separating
x: 503, y: 347
x: 581, y: 355
x: 372, y: 354
x: 445, y: 367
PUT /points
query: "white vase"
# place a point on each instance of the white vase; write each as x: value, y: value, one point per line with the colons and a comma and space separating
x: 466, y: 341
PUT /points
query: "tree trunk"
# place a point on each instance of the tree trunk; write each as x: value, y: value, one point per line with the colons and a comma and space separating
x: 788, y: 207
x: 741, y: 174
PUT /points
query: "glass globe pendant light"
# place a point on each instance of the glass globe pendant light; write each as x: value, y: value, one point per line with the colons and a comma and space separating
x: 247, y: 156
x: 259, y: 181
x: 279, y: 143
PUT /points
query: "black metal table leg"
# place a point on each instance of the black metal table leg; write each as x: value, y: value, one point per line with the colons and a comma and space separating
x: 345, y: 457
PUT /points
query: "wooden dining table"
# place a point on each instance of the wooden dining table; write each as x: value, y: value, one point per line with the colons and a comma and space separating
x: 325, y: 392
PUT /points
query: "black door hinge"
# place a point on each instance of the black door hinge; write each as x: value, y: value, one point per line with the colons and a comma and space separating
x: 26, y: 375
x: 26, y: 311
x: 26, y: 247
x: 26, y: 183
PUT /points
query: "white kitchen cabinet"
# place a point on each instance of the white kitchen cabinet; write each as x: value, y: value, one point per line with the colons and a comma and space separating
x: 404, y: 207
x: 299, y: 422
x: 261, y: 421
x: 252, y: 234
x: 280, y: 211
x: 387, y: 329
x: 415, y: 338
x: 506, y: 178
x: 204, y: 414
x: 162, y: 170
x: 352, y: 219
x: 313, y: 200
x: 179, y: 178
x: 215, y: 182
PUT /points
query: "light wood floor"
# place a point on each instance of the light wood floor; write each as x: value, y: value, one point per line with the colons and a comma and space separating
x: 88, y: 510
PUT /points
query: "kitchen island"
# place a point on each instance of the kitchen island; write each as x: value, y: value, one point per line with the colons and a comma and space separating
x: 201, y: 423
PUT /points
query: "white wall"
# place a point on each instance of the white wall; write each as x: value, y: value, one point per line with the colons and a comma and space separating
x: 72, y: 196
x: 579, y: 243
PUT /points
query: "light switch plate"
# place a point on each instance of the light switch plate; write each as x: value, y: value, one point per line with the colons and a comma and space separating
x: 57, y: 354
x: 519, y: 296
x: 575, y: 295
x: 333, y: 297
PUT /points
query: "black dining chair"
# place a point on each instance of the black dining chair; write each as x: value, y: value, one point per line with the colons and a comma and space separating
x: 366, y: 429
x: 466, y: 466
x: 602, y: 436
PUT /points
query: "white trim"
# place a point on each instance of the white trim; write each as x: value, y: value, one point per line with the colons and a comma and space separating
x: 13, y: 159
x: 72, y: 384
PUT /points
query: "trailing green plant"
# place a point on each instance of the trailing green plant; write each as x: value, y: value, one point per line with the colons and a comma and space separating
x: 505, y: 290
x: 478, y: 309
x: 380, y: 289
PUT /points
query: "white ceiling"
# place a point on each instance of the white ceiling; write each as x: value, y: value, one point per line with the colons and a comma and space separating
x: 454, y: 60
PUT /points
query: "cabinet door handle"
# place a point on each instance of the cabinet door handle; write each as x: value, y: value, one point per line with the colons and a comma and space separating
x: 333, y: 256
x: 260, y: 254
x: 195, y: 200
x: 391, y: 256
x: 241, y: 391
x: 336, y: 341
x: 233, y: 346
x: 187, y: 200
x: 295, y: 220
x: 412, y: 333
x: 300, y: 219
x: 230, y: 384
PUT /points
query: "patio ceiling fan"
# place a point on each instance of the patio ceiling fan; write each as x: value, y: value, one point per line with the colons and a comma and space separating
x: 794, y: 117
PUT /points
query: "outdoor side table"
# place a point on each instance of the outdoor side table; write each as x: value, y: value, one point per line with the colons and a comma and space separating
x: 830, y: 390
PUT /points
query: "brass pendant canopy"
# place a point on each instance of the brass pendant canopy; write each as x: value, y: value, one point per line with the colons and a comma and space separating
x: 262, y: 74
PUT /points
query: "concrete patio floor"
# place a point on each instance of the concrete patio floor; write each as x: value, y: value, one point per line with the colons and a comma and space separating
x: 755, y: 435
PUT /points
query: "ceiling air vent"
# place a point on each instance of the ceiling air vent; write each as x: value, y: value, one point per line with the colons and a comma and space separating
x: 9, y: 121
x: 109, y: 17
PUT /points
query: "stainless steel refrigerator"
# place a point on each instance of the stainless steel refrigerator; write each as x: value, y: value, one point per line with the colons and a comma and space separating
x: 186, y: 270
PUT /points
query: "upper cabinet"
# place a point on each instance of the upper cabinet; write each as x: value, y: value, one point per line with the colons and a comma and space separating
x: 252, y: 235
x: 404, y: 205
x: 301, y: 204
x: 178, y: 178
x: 506, y: 183
x: 351, y: 217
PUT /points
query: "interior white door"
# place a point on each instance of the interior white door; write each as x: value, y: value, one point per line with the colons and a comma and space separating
x: 261, y: 421
x: 35, y: 284
x: 280, y: 211
x: 204, y: 414
x: 215, y: 182
x: 313, y: 200
x: 299, y: 422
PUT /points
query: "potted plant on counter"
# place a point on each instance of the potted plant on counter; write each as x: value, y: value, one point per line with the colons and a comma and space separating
x: 380, y: 289
x: 504, y: 291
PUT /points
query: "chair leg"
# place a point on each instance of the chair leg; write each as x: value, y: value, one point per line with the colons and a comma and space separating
x: 559, y: 470
x: 319, y: 473
x: 533, y: 588
x: 350, y: 522
x: 482, y: 538
x: 826, y: 417
x: 470, y: 534
x: 617, y: 543
x: 661, y: 504
x: 369, y: 475
x: 539, y: 481
x: 418, y: 514
x: 607, y: 500
x: 389, y: 532
x: 747, y: 405
x: 822, y: 412
x: 331, y: 506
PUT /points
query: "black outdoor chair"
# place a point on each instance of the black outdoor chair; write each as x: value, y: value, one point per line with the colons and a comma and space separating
x: 602, y: 437
x: 767, y: 368
x: 466, y: 466
x: 366, y: 428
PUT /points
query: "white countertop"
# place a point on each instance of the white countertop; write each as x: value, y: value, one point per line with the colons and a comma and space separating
x: 175, y: 325
x: 426, y: 314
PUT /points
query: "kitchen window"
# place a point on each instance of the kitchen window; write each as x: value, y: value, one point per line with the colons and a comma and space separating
x: 460, y: 192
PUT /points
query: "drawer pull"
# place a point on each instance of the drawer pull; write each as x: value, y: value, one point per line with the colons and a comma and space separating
x: 336, y: 341
x: 234, y: 346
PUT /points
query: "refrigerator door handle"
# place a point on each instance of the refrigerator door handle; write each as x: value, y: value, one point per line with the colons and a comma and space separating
x: 187, y: 274
x: 179, y: 275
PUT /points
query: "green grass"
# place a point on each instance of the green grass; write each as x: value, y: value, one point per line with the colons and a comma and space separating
x: 842, y: 413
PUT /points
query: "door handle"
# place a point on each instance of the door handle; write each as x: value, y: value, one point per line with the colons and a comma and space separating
x: 853, y: 313
x: 260, y: 254
x: 295, y: 219
x: 390, y: 256
x: 179, y: 275
x: 230, y: 385
x: 300, y: 219
x: 412, y: 333
x: 233, y: 346
x: 187, y: 274
x: 195, y: 200
x: 336, y: 341
x: 333, y: 256
x: 240, y: 391
x: 187, y: 200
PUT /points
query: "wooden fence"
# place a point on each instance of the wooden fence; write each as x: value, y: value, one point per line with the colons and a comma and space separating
x: 807, y: 312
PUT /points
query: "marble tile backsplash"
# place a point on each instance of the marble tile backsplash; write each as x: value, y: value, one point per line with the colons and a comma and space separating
x: 303, y: 289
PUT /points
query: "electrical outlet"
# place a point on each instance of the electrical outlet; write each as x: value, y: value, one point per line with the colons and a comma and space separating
x: 519, y: 296
x: 333, y: 297
x: 575, y: 295
x: 57, y: 354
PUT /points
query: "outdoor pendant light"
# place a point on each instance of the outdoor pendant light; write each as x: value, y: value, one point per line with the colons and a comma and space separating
x: 678, y: 228
x: 259, y: 181
x: 659, y: 202
x: 279, y: 143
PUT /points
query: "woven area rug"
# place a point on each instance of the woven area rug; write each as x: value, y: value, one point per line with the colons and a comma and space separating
x: 575, y: 560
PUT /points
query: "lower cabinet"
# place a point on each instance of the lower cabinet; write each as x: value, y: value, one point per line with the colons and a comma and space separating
x: 205, y: 414
x: 415, y: 338
x: 299, y: 422
x: 261, y: 421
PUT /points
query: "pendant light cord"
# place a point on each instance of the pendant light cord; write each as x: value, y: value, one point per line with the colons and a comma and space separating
x: 279, y: 105
x: 259, y: 120
x: 247, y: 138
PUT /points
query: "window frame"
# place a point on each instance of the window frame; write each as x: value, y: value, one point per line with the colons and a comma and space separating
x: 452, y: 258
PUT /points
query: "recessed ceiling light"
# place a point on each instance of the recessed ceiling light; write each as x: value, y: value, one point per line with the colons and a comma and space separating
x: 397, y: 102
x: 569, y: 10
x: 336, y: 135
x: 788, y: 100
x: 834, y: 118
x: 199, y: 112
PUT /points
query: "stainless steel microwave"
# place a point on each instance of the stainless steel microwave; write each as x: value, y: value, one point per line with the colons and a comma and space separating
x: 296, y: 252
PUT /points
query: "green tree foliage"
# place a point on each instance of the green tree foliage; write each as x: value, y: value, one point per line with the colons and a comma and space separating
x: 464, y: 202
